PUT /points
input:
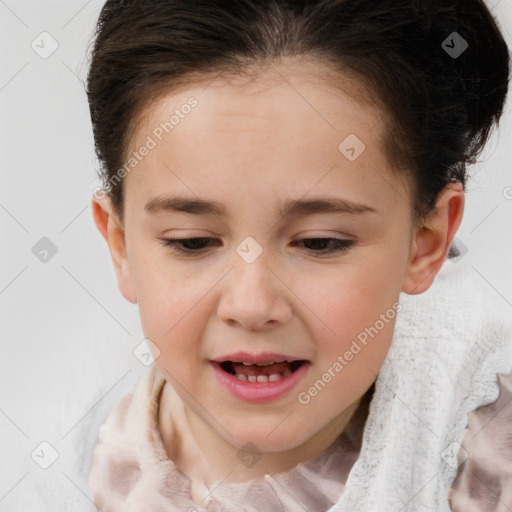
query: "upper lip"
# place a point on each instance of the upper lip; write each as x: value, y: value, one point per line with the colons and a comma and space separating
x: 264, y: 357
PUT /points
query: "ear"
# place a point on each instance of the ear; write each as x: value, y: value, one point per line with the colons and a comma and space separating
x: 113, y: 232
x: 431, y: 241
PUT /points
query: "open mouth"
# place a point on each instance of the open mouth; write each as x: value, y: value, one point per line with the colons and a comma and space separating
x: 268, y: 372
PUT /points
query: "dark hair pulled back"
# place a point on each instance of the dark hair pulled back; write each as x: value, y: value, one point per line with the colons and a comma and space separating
x: 439, y: 109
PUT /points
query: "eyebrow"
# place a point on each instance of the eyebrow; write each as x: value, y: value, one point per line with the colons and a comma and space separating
x: 298, y: 207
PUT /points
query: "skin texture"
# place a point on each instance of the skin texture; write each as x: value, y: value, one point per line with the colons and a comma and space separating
x: 251, y: 144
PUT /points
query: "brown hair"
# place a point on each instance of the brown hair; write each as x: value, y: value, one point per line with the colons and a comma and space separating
x: 440, y: 107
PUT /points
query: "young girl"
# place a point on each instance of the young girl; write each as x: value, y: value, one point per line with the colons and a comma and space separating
x: 278, y: 175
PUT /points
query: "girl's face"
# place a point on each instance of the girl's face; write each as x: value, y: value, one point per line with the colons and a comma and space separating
x: 285, y: 159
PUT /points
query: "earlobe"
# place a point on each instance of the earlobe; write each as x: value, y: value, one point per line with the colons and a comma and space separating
x: 432, y: 241
x: 112, y: 231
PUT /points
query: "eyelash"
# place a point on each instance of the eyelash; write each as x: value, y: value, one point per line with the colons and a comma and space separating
x: 340, y: 245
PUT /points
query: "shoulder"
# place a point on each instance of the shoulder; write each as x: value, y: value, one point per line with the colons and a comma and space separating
x: 484, y: 475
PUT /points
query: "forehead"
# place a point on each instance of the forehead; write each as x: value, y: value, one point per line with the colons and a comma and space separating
x: 299, y: 82
x: 284, y: 127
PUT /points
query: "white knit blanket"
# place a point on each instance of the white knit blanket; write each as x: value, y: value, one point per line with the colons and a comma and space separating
x: 448, y: 346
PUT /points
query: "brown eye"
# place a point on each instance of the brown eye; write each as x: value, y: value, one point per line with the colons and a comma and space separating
x: 320, y: 245
x: 187, y: 246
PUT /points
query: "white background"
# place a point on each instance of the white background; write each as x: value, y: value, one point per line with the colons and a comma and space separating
x: 65, y: 329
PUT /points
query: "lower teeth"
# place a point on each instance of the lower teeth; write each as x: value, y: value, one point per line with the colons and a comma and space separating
x: 263, y: 378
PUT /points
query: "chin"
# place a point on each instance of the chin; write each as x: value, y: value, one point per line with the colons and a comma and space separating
x: 262, y: 441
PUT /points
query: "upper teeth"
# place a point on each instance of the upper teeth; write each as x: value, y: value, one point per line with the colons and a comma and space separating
x: 263, y: 364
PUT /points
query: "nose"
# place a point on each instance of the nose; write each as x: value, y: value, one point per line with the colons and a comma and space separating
x: 254, y: 296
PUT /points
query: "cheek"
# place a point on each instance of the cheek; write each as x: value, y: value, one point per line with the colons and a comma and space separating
x: 166, y: 300
x: 351, y: 298
x: 174, y: 311
x: 354, y: 316
x: 170, y: 320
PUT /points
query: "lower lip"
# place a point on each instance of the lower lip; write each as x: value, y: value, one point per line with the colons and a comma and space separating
x: 259, y: 391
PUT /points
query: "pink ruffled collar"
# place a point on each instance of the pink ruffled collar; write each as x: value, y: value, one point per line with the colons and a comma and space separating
x: 132, y: 471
